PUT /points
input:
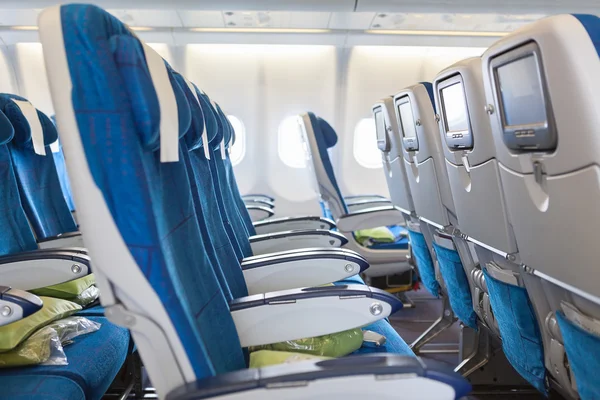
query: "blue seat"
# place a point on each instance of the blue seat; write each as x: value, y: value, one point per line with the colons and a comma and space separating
x: 37, y: 177
x: 94, y: 361
x: 61, y: 170
x: 174, y: 299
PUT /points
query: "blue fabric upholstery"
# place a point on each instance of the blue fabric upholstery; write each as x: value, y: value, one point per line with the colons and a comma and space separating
x: 457, y: 285
x: 326, y: 137
x: 16, y: 233
x: 591, y: 23
x: 583, y: 352
x: 218, y: 245
x: 399, y: 244
x: 150, y: 201
x: 46, y: 387
x: 394, y: 343
x: 37, y: 177
x: 424, y: 262
x: 65, y: 184
x: 93, y: 311
x: 94, y: 361
x: 521, y: 339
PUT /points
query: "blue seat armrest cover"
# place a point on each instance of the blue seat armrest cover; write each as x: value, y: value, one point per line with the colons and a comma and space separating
x: 375, y: 364
x: 299, y: 232
x: 320, y: 255
x: 371, y: 217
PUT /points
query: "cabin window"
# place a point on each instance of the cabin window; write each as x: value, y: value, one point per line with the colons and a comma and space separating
x: 290, y: 144
x: 365, y: 149
x: 238, y: 149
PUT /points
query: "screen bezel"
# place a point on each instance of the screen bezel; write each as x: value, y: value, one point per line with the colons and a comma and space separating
x: 530, y: 137
x: 409, y: 143
x: 460, y: 139
x: 384, y: 143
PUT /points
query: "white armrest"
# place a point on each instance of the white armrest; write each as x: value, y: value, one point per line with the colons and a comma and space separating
x: 258, y: 213
x: 67, y: 240
x: 293, y: 223
x: 258, y: 197
x: 299, y: 239
x: 304, y: 269
x: 301, y: 313
x: 37, y: 269
x: 370, y: 218
x: 378, y: 376
x: 260, y: 203
x: 357, y: 205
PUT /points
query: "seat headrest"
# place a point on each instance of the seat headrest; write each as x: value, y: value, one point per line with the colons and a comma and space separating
x: 129, y: 53
x: 6, y: 129
x: 227, y: 128
x: 220, y: 134
x: 193, y: 137
x: 27, y: 121
x: 328, y: 132
x: 212, y: 127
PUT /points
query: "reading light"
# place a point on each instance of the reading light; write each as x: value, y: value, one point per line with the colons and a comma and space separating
x: 25, y: 28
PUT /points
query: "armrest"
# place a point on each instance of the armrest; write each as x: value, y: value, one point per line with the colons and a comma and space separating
x: 69, y: 239
x: 364, y: 197
x: 370, y: 218
x: 17, y: 304
x: 377, y: 376
x: 299, y: 239
x: 293, y: 223
x: 260, y: 203
x: 37, y: 269
x: 303, y: 269
x: 258, y: 196
x: 258, y: 213
x: 362, y: 204
x: 280, y: 316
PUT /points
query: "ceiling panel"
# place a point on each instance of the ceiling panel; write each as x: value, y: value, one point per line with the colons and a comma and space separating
x: 18, y: 17
x: 351, y: 20
x: 216, y: 5
x: 481, y: 6
x: 153, y: 18
x: 201, y: 19
x: 452, y: 22
x: 276, y: 19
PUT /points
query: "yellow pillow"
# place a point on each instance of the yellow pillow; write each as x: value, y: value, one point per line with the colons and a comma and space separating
x: 265, y: 358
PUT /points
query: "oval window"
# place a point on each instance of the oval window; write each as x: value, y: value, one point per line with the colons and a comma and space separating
x: 237, y: 151
x: 365, y: 149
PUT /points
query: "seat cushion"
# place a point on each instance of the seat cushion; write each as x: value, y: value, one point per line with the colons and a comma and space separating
x: 94, y: 361
x: 47, y: 387
x: 392, y: 237
x: 394, y: 343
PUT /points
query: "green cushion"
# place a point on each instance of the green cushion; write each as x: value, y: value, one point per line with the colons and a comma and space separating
x: 13, y: 334
x: 67, y: 290
x: 265, y: 358
x: 332, y: 345
x: 379, y: 235
x: 36, y: 349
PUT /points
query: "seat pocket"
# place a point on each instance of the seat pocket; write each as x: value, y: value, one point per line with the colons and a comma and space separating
x: 424, y: 262
x: 457, y: 285
x: 521, y: 338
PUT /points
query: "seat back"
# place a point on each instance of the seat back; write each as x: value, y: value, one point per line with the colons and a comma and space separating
x: 423, y: 155
x: 135, y: 204
x: 541, y: 87
x: 319, y: 136
x: 33, y: 163
x: 16, y: 233
x: 389, y: 143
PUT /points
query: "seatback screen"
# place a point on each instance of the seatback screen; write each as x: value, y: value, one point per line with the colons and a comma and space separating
x: 455, y: 108
x: 521, y: 92
x: 455, y: 113
x: 407, y: 120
